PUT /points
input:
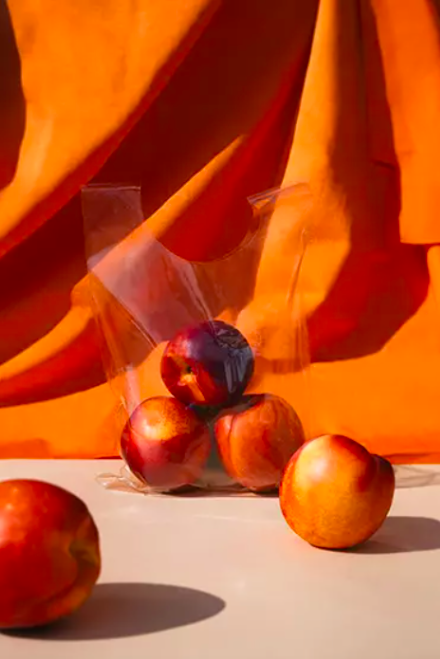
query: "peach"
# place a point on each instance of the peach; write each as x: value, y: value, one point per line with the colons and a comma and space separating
x: 334, y: 493
x: 256, y: 440
x: 49, y: 553
x: 165, y: 444
x: 207, y: 364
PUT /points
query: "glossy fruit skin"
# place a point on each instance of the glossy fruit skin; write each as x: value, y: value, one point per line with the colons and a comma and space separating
x: 49, y: 553
x: 335, y: 494
x: 165, y: 444
x: 207, y: 364
x: 256, y: 439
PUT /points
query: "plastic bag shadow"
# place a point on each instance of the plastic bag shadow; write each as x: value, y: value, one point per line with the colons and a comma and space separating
x: 409, y: 476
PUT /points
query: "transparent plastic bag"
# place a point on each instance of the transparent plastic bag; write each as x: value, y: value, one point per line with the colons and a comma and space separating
x: 208, y: 360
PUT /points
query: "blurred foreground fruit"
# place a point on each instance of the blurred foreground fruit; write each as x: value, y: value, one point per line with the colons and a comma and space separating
x: 256, y: 439
x: 49, y: 553
x: 207, y: 364
x: 165, y: 444
x: 335, y: 494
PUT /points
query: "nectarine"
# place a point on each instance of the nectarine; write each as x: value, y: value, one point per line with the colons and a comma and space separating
x: 334, y: 493
x: 207, y: 364
x: 49, y: 553
x: 256, y: 439
x: 165, y: 444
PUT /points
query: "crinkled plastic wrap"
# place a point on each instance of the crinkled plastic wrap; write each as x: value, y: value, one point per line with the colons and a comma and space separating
x: 208, y: 360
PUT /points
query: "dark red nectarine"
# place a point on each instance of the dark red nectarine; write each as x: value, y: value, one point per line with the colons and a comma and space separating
x: 165, y: 444
x: 49, y: 553
x: 256, y: 439
x: 334, y: 493
x: 207, y: 364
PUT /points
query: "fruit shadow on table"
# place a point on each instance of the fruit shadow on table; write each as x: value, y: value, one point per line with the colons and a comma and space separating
x: 122, y: 610
x: 403, y: 534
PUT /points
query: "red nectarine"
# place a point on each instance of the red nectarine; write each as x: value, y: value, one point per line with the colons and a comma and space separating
x: 49, y: 553
x: 256, y: 439
x: 334, y: 493
x: 207, y: 364
x: 165, y: 444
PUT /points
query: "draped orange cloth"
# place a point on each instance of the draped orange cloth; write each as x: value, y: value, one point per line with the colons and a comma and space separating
x: 205, y: 102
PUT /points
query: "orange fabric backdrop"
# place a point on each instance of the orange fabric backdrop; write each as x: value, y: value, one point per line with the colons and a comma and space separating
x: 205, y: 102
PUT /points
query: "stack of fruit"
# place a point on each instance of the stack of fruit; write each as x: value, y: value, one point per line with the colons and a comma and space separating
x: 167, y: 441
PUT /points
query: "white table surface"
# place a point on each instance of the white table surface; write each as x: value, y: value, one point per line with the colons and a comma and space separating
x: 215, y: 577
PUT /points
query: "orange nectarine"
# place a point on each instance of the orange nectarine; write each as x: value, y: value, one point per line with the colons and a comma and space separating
x: 256, y: 439
x: 165, y: 444
x: 334, y: 493
x: 49, y: 553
